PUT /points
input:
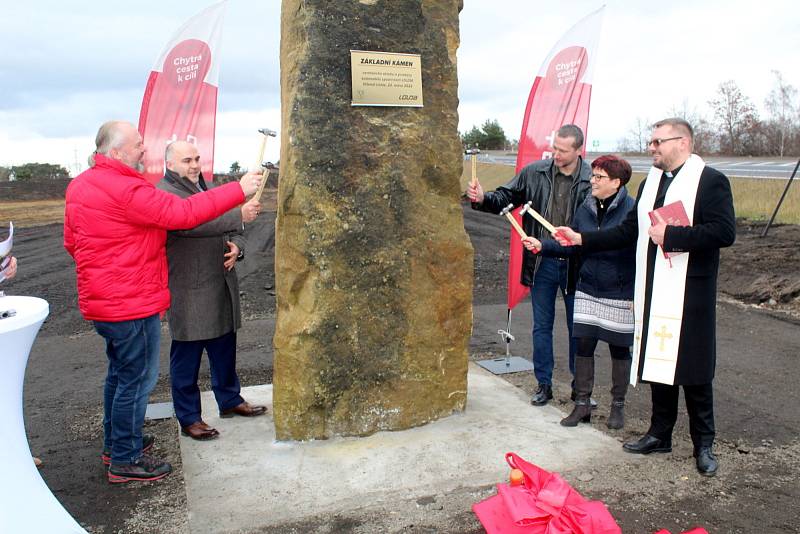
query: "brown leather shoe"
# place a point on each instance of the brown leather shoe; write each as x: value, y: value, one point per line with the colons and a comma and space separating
x: 245, y: 409
x: 200, y: 431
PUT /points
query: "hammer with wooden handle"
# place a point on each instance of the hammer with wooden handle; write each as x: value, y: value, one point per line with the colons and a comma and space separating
x: 266, y: 133
x: 474, y: 168
x: 536, y: 215
x: 264, y: 175
x: 510, y: 216
x: 473, y: 153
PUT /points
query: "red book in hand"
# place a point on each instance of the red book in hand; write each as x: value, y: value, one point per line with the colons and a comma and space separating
x: 673, y: 215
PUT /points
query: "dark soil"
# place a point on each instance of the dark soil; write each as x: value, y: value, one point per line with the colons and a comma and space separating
x: 757, y: 402
x: 33, y: 190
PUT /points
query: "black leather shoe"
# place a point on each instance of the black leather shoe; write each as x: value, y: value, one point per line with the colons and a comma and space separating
x: 707, y: 464
x: 647, y: 444
x: 543, y: 394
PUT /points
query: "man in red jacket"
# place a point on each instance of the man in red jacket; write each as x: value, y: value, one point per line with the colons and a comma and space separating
x: 115, y: 228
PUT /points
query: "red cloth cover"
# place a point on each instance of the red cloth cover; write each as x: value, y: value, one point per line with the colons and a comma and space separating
x: 544, y: 504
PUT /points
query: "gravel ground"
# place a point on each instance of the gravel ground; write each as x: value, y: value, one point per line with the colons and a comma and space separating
x: 758, y: 421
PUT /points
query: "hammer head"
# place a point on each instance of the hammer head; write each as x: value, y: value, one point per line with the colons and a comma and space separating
x: 525, y: 208
x: 507, y: 209
x: 267, y: 131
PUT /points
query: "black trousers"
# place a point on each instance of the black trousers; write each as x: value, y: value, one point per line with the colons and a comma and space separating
x: 587, y: 345
x: 184, y: 369
x: 699, y: 405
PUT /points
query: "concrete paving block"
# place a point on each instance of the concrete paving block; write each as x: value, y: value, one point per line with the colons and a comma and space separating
x: 246, y: 479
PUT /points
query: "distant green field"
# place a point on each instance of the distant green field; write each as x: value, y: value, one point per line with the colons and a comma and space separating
x: 753, y: 198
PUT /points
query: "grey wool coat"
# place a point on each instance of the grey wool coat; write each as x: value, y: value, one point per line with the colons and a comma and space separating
x: 205, y: 297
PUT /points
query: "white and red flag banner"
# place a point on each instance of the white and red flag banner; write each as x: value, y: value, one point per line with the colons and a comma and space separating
x: 180, y: 100
x: 560, y: 95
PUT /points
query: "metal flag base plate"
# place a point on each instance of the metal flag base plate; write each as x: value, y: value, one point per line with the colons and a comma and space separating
x: 509, y: 363
x: 501, y: 366
x: 159, y: 410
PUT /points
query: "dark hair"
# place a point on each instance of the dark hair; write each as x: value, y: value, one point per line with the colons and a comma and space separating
x: 615, y: 167
x: 570, y: 130
x: 677, y: 124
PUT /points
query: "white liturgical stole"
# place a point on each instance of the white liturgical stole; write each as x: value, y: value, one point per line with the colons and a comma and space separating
x: 660, y: 353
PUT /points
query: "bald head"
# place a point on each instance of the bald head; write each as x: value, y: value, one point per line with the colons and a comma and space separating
x: 120, y: 140
x: 182, y: 158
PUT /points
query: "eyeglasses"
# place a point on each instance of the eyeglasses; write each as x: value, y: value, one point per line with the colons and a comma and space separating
x: 657, y: 141
x: 598, y: 177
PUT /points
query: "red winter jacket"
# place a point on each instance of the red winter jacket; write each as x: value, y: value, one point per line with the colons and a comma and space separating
x: 115, y: 225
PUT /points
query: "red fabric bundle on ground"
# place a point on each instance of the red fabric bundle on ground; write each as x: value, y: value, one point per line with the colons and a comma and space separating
x: 543, y: 504
x: 698, y: 530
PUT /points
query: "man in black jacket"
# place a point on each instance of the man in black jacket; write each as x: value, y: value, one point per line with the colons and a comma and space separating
x: 557, y: 188
x: 675, y: 297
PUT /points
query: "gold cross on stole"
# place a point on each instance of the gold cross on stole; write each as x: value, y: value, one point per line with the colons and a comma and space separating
x: 663, y: 335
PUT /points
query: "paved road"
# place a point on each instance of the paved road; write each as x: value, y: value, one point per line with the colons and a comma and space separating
x: 779, y: 169
x: 771, y: 168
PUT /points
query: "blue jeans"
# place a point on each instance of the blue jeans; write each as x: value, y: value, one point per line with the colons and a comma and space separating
x: 550, y: 277
x: 132, y: 349
x: 184, y: 367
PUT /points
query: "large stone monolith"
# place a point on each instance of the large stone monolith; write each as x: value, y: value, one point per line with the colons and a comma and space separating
x: 373, y: 266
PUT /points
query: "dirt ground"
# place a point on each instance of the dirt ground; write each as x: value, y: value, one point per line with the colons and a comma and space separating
x: 758, y: 420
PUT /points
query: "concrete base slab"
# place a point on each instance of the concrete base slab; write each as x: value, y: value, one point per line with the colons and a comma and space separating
x: 246, y: 480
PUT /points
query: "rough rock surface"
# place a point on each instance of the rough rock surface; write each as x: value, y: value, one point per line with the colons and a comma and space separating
x: 373, y: 266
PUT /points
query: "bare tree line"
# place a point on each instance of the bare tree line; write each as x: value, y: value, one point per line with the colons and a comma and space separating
x: 735, y: 127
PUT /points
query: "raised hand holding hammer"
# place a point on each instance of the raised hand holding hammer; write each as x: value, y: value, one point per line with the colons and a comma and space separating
x: 250, y: 210
x: 475, y: 191
x: 250, y: 182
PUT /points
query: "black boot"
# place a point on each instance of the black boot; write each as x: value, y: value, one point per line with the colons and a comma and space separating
x: 616, y: 418
x: 543, y: 394
x: 581, y: 413
x: 584, y: 381
x: 573, y: 395
x: 620, y: 375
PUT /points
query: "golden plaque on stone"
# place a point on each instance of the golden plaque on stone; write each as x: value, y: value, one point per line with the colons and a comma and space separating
x: 386, y: 79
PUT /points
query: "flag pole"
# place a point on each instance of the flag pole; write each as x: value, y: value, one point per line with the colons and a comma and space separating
x: 508, y: 338
x: 508, y: 364
x: 786, y: 190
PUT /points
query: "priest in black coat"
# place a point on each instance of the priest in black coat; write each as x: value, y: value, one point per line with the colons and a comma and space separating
x: 713, y: 226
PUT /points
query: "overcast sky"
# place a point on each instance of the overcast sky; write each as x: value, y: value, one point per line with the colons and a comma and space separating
x: 66, y: 67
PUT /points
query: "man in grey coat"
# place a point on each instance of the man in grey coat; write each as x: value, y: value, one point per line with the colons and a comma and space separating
x: 204, y: 314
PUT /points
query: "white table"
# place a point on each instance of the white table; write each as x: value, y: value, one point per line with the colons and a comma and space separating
x: 26, y: 503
